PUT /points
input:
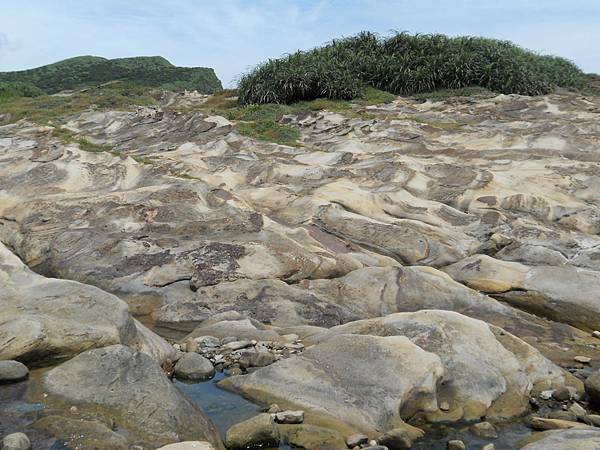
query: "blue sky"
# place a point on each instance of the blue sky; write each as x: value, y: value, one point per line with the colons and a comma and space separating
x: 234, y: 35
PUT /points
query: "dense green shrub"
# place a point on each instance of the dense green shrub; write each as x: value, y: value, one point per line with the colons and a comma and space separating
x: 405, y: 64
x: 11, y: 89
x: 86, y: 71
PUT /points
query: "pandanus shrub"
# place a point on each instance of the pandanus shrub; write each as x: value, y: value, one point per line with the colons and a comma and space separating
x: 406, y: 64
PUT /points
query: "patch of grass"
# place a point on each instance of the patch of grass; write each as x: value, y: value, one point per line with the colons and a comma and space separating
x: 262, y: 121
x: 12, y: 89
x: 270, y: 131
x: 223, y: 100
x: 254, y: 113
x: 372, y: 96
x: 68, y: 137
x: 88, y: 146
x: 406, y: 64
x: 142, y: 159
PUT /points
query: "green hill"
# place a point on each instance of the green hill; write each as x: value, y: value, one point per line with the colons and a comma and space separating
x: 406, y: 64
x: 85, y: 71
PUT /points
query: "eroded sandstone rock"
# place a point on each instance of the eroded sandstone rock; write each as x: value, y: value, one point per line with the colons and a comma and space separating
x: 131, y: 389
x: 45, y: 318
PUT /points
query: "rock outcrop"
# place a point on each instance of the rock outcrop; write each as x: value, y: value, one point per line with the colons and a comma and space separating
x: 543, y: 290
x: 127, y: 390
x: 44, y: 319
x: 414, y: 260
x: 321, y: 379
x: 422, y: 360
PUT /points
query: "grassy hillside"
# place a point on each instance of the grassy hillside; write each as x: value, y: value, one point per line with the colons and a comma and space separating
x: 50, y: 109
x: 406, y: 64
x: 87, y: 71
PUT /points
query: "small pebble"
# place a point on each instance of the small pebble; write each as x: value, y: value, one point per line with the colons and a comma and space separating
x: 289, y: 417
x: 484, y: 430
x: 546, y: 395
x: 356, y: 440
x: 456, y: 444
x: 596, y: 334
x: 582, y: 359
x: 274, y: 409
x: 16, y: 441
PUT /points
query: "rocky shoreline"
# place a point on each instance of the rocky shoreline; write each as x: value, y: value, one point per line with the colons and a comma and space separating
x: 408, y: 266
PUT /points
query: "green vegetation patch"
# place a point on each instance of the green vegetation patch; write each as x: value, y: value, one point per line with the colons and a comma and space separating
x: 270, y: 131
x: 49, y: 108
x: 69, y: 137
x: 406, y: 64
x: 86, y: 71
x: 262, y: 121
x: 13, y: 89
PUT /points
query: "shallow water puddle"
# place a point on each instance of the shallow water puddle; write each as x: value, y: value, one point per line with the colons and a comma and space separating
x: 17, y: 414
x: 437, y: 436
x: 223, y: 407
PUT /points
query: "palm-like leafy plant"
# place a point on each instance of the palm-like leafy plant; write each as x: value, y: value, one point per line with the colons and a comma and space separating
x: 406, y: 64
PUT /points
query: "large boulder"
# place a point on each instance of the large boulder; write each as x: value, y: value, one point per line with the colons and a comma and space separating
x: 565, y: 294
x: 377, y: 291
x: 592, y: 387
x: 439, y: 363
x: 45, y: 318
x: 130, y: 391
x: 369, y: 382
x: 489, y: 372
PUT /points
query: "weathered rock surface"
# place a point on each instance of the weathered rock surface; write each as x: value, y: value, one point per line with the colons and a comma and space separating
x: 488, y: 371
x: 258, y: 431
x: 384, y: 212
x: 407, y: 378
x: 77, y: 432
x: 44, y: 318
x: 189, y: 445
x: 566, y: 440
x: 592, y: 387
x: 201, y: 206
x: 567, y: 294
x: 129, y: 389
x: 16, y: 441
x: 477, y: 369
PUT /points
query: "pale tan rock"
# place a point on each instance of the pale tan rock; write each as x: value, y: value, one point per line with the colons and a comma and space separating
x: 188, y: 445
x: 46, y: 318
x: 541, y: 423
